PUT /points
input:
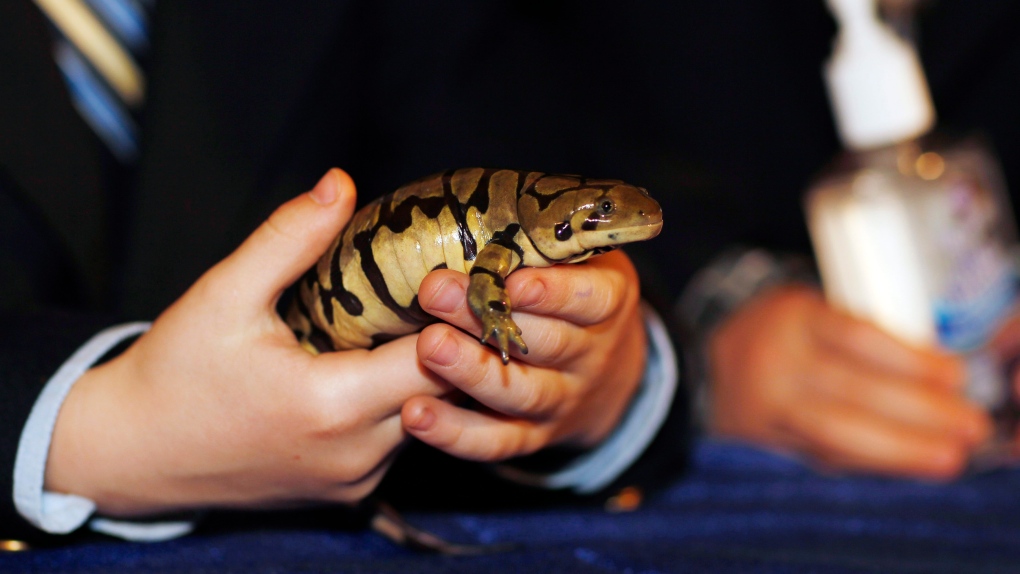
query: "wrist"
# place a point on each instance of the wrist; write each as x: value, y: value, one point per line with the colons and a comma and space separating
x: 56, y: 512
x: 104, y: 447
x: 84, y: 436
x: 88, y: 464
x: 714, y: 295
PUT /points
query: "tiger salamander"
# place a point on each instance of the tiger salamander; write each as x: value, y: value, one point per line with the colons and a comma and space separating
x: 484, y: 222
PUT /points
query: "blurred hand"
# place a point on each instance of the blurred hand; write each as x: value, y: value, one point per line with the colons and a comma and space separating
x: 217, y: 405
x: 587, y: 353
x: 1005, y: 345
x: 791, y: 372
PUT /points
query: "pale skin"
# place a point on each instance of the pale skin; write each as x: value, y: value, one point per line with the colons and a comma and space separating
x: 791, y: 372
x: 586, y: 355
x: 218, y: 406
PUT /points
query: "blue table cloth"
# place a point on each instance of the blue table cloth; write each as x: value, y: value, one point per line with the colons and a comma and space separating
x: 738, y: 510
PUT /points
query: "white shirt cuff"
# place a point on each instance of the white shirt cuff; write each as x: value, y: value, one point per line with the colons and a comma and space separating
x: 598, y: 468
x: 63, y: 513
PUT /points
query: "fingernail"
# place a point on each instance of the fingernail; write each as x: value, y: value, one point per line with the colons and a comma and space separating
x: 424, y: 420
x: 446, y: 352
x: 325, y: 192
x: 447, y: 298
x: 531, y: 294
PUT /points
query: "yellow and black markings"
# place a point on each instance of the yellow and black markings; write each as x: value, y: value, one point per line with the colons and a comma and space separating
x: 486, y: 222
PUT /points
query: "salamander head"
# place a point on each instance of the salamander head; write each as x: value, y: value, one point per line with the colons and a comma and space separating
x: 569, y: 218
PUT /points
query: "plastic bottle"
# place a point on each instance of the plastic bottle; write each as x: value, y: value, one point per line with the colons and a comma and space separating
x: 910, y: 230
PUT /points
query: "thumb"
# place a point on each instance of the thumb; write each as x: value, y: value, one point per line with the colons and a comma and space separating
x: 291, y: 240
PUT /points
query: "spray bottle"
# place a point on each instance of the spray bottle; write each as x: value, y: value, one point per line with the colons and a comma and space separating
x: 912, y: 230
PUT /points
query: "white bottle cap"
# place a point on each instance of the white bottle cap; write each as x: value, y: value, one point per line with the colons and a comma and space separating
x: 876, y: 84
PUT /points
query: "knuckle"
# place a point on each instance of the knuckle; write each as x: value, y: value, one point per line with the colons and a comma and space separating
x: 277, y: 225
x: 449, y: 439
x: 539, y: 400
x: 583, y: 296
x: 328, y: 418
x: 532, y: 399
x: 492, y: 451
x: 479, y: 376
x: 612, y: 296
x: 557, y: 347
x: 622, y: 280
x: 479, y: 373
x: 509, y: 447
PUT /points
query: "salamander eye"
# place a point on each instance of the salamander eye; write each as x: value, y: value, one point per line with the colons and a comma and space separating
x: 606, y: 207
x: 563, y: 231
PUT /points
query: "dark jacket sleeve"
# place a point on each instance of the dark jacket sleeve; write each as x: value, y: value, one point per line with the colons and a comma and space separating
x: 32, y: 348
x: 38, y: 330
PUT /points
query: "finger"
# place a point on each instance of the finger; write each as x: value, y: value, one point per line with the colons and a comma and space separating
x: 517, y: 389
x: 866, y: 343
x: 290, y: 241
x: 471, y: 435
x: 551, y: 341
x: 908, y: 402
x: 377, y: 382
x: 847, y: 438
x: 443, y: 294
x: 582, y: 294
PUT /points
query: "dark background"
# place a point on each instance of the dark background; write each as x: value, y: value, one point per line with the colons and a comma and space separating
x: 718, y: 108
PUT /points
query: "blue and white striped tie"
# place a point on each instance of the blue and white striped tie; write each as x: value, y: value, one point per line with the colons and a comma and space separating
x: 96, y: 50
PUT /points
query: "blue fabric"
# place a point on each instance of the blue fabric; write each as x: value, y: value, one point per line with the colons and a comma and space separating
x: 740, y: 510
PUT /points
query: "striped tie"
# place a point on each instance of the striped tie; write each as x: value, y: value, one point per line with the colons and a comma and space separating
x: 97, y: 44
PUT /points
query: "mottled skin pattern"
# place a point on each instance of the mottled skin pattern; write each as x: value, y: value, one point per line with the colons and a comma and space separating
x: 484, y: 222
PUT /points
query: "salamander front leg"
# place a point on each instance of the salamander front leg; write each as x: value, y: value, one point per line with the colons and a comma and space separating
x: 488, y: 299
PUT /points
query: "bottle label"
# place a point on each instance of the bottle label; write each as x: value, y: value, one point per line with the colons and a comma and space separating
x: 979, y: 291
x: 980, y: 295
x: 981, y: 284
